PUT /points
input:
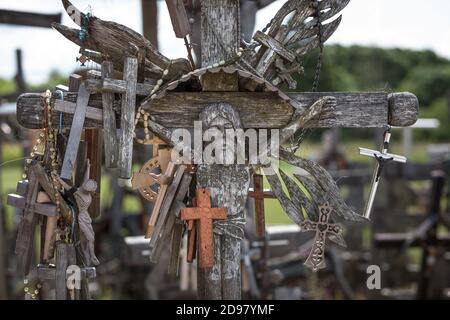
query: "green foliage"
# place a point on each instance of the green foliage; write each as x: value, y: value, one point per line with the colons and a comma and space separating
x: 439, y: 110
x: 428, y: 83
x: 359, y: 68
x: 7, y: 86
x: 54, y: 79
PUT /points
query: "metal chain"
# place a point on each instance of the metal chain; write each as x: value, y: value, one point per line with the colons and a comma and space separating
x: 320, y: 58
x: 298, y: 140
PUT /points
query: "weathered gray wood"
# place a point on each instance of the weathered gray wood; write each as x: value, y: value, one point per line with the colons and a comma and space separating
x: 46, y: 272
x: 75, y: 133
x: 117, y: 86
x: 403, y: 108
x: 47, y: 186
x: 179, y: 18
x: 274, y: 45
x: 60, y: 273
x: 70, y: 107
x: 44, y: 209
x: 26, y: 230
x: 257, y: 109
x: 220, y: 38
x: 109, y: 120
x: 22, y: 187
x: 177, y: 236
x: 114, y: 40
x: 127, y: 118
x: 31, y: 19
x: 220, y: 30
x: 164, y: 211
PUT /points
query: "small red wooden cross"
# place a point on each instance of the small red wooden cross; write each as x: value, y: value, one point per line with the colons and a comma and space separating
x: 258, y: 194
x: 205, y: 216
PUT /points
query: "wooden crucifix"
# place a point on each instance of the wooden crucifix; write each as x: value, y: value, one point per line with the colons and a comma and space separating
x: 259, y: 194
x: 59, y: 273
x: 238, y: 97
x: 28, y: 199
x: 205, y: 216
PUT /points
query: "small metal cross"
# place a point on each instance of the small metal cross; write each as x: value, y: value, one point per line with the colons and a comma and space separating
x: 324, y: 229
x: 382, y: 158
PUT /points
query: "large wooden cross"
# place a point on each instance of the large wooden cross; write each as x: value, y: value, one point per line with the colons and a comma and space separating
x: 221, y: 94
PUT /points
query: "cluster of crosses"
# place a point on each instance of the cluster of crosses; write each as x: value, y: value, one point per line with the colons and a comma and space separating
x: 141, y: 96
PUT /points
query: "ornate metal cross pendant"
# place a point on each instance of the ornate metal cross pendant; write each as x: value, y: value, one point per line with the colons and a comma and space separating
x: 324, y: 229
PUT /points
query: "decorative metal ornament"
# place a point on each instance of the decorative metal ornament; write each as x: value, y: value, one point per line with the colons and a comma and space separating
x: 382, y: 158
x: 324, y: 229
x: 145, y: 180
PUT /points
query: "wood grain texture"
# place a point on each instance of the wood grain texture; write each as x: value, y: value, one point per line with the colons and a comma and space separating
x: 61, y: 266
x: 94, y: 152
x: 205, y: 216
x: 114, y: 41
x: 47, y: 186
x: 127, y: 118
x: 117, y: 86
x: 159, y: 201
x: 26, y: 230
x: 164, y: 211
x: 75, y: 133
x: 31, y: 19
x: 403, y: 109
x: 220, y: 30
x: 179, y: 18
x: 257, y: 109
x: 109, y: 121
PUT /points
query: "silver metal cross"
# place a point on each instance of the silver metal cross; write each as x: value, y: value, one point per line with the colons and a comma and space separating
x: 382, y: 158
x: 324, y: 229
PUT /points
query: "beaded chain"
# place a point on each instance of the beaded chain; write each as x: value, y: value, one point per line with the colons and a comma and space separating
x: 29, y: 291
x: 51, y: 140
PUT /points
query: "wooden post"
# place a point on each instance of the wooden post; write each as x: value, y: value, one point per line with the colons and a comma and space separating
x: 61, y: 267
x: 3, y: 255
x: 109, y: 120
x: 228, y: 184
x: 75, y: 133
x: 127, y: 119
x: 150, y: 21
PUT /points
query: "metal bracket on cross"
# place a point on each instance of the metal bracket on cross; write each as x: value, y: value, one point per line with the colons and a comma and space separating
x: 382, y: 158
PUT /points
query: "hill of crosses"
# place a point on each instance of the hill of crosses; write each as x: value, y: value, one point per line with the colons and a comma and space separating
x: 220, y: 125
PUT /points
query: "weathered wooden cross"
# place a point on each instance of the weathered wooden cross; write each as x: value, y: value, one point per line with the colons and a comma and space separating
x: 259, y: 194
x: 239, y: 97
x: 28, y: 200
x: 205, y: 215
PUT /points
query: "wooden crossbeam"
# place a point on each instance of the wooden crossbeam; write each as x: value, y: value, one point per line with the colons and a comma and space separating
x: 20, y: 18
x: 257, y: 109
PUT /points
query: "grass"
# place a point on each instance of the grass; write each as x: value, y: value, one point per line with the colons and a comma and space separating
x: 12, y: 170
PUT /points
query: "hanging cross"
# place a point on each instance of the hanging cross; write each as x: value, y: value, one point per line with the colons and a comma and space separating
x: 382, y: 158
x: 259, y: 194
x: 60, y: 273
x: 205, y: 216
x: 323, y: 229
x: 29, y: 198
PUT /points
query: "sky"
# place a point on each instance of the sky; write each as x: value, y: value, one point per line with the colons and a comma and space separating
x: 412, y: 24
